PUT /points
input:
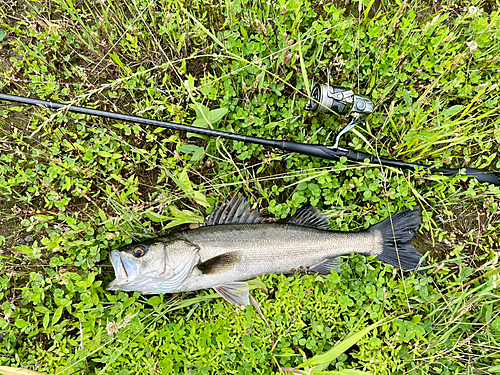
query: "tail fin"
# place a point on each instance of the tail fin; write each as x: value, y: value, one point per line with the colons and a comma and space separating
x: 397, y: 233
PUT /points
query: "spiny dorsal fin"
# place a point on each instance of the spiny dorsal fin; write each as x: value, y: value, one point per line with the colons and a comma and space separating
x: 309, y: 216
x: 237, y: 211
x: 220, y: 263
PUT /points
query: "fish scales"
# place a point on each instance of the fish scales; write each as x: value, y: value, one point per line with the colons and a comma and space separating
x: 272, y: 248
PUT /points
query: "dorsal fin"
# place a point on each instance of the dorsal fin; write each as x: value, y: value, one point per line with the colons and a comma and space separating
x: 309, y: 216
x: 237, y: 211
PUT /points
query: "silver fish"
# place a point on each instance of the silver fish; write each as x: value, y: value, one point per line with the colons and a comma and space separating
x: 235, y: 245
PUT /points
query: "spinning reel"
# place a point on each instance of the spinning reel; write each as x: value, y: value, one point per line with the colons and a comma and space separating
x: 342, y: 101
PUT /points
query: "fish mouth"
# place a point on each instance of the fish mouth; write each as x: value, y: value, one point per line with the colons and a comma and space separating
x: 125, y: 270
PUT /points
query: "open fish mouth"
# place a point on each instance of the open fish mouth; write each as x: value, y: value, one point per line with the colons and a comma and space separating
x: 125, y: 270
x: 119, y: 267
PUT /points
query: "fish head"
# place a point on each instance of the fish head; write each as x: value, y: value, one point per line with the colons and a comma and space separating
x: 153, y: 266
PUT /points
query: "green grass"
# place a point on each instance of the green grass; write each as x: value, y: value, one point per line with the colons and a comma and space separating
x: 82, y: 186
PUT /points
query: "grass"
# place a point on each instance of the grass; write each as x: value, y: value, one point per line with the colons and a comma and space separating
x: 72, y: 188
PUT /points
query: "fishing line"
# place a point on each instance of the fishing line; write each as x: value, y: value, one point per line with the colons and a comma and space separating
x: 160, y: 89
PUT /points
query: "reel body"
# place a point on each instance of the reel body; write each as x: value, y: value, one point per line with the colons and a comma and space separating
x: 341, y: 101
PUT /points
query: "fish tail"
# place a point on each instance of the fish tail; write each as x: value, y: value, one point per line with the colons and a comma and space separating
x: 397, y: 234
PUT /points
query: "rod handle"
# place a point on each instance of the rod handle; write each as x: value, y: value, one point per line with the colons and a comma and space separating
x: 481, y: 175
x: 335, y: 154
x: 311, y: 149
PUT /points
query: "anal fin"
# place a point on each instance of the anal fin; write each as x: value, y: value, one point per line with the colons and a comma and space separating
x: 325, y: 267
x: 236, y: 293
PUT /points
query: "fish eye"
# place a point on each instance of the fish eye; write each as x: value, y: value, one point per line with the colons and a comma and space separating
x: 139, y: 251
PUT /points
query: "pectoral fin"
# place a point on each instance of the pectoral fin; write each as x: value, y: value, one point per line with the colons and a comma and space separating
x: 328, y: 265
x: 220, y: 263
x: 236, y: 293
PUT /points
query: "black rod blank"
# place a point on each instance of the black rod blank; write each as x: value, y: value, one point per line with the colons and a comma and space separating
x: 301, y: 148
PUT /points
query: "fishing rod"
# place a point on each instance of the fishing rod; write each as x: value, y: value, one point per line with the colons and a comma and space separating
x: 325, y: 99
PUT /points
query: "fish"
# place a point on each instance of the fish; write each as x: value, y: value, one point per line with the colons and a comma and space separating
x: 235, y: 245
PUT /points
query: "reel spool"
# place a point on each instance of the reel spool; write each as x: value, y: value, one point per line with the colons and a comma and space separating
x: 339, y: 100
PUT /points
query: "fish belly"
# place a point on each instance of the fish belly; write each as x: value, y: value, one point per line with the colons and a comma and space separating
x: 271, y: 249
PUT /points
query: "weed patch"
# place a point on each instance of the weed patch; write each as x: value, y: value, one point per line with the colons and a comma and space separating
x: 73, y: 188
